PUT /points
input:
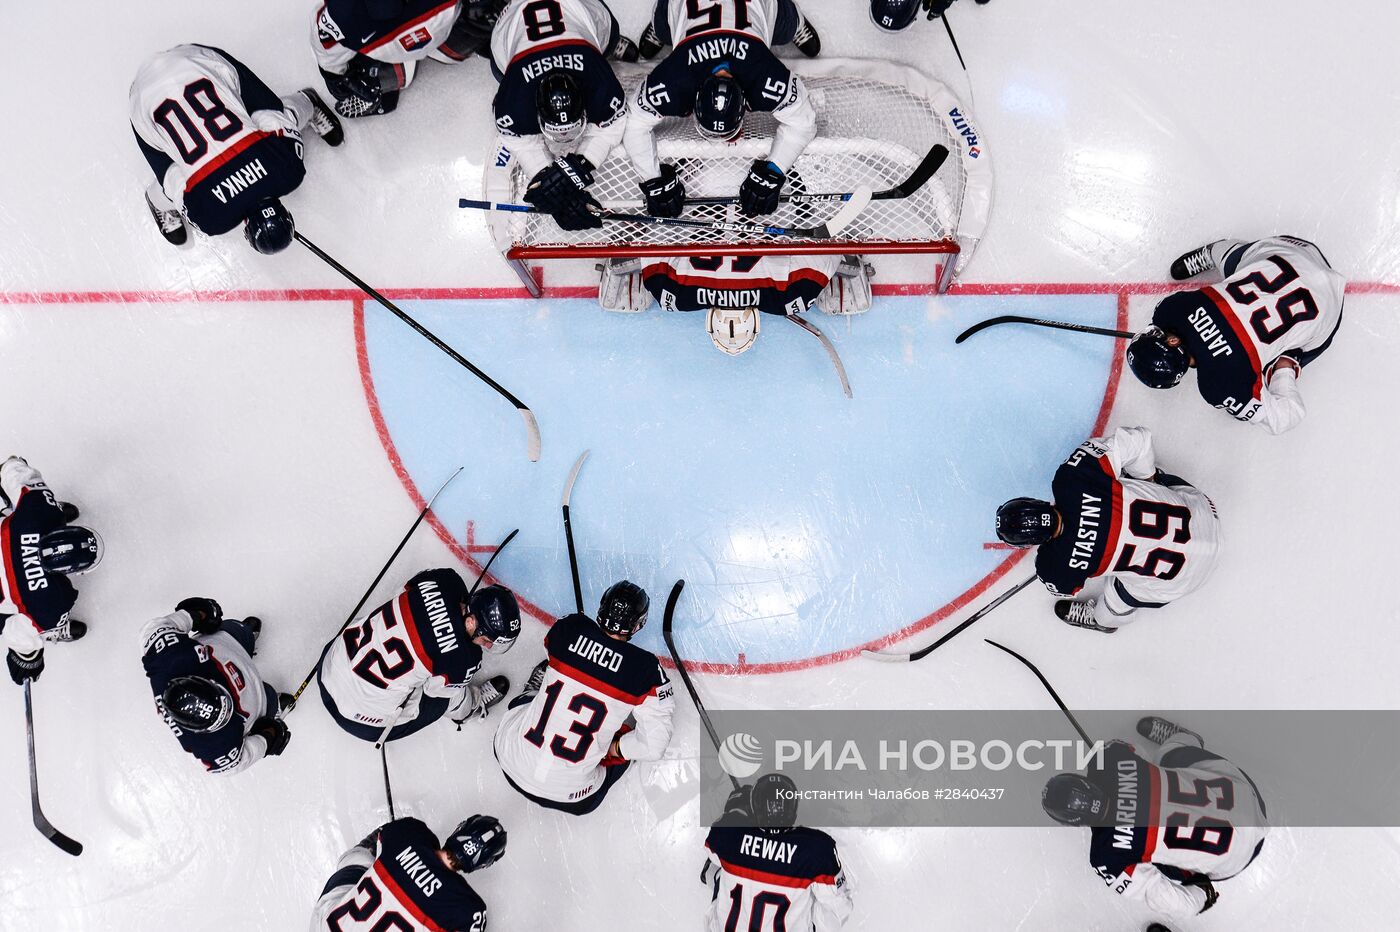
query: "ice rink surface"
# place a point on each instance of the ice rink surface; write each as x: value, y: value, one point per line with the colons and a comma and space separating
x: 240, y: 426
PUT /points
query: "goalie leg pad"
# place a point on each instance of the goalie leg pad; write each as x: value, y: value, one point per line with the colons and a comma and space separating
x: 621, y: 288
x: 848, y: 292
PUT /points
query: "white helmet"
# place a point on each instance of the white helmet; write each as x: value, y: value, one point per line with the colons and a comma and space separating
x: 733, y: 329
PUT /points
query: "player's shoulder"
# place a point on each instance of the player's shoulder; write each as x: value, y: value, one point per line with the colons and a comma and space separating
x: 406, y: 831
x: 584, y: 650
x: 1085, y: 470
x: 817, y: 850
x: 442, y: 581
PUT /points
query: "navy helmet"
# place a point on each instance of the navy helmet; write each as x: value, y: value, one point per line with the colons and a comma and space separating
x: 269, y: 228
x: 476, y: 843
x: 497, y: 616
x: 559, y: 103
x: 70, y: 549
x: 1027, y: 522
x: 894, y: 15
x: 1155, y: 361
x: 1074, y: 799
x: 623, y: 609
x: 719, y: 107
x: 197, y: 704
x: 774, y: 803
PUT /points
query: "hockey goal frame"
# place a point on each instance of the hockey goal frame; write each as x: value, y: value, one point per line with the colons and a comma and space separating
x: 968, y: 155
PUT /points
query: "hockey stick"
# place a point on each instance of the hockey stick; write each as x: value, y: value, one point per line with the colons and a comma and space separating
x: 388, y: 789
x: 953, y: 39
x: 569, y: 531
x: 398, y: 714
x: 1048, y: 688
x: 532, y: 427
x: 830, y: 350
x: 923, y: 652
x: 368, y: 592
x: 1038, y: 322
x: 667, y: 621
x: 41, y: 822
x: 859, y: 200
x: 497, y: 552
x: 930, y: 164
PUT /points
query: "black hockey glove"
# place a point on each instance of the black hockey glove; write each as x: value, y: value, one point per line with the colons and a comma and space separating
x: 1202, y: 881
x: 580, y: 213
x: 208, y: 616
x: 665, y: 195
x: 275, y: 732
x: 759, y: 194
x: 25, y: 666
x: 936, y: 8
x: 557, y: 185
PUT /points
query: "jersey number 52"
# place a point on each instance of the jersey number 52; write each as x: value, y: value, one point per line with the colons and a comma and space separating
x: 377, y: 664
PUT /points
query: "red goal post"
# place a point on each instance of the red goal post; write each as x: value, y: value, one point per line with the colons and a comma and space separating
x: 875, y: 121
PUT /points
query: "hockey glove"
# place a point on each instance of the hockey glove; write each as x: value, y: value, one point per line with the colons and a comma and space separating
x: 1208, y: 888
x: 614, y: 757
x: 556, y: 186
x: 936, y: 8
x: 207, y: 615
x: 275, y: 732
x: 25, y: 666
x: 760, y: 191
x: 665, y: 194
x: 580, y: 213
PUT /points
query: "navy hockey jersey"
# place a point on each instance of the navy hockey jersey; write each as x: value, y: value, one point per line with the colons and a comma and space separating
x: 31, y: 598
x: 792, y: 880
x: 218, y: 139
x: 406, y: 888
x: 773, y: 284
x: 415, y: 644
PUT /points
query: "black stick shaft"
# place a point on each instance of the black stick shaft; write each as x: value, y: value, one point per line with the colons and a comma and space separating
x: 388, y: 788
x: 569, y: 530
x: 976, y: 616
x: 1048, y: 688
x: 1040, y: 322
x: 368, y: 592
x: 494, y: 554
x: 953, y: 39
x: 666, y: 633
x: 432, y: 338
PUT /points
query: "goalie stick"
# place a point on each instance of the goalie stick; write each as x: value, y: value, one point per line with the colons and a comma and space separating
x: 921, y: 653
x: 930, y: 164
x: 1039, y: 322
x: 569, y: 530
x: 859, y: 200
x: 41, y: 821
x: 1048, y: 688
x: 368, y: 592
x: 830, y: 350
x: 532, y: 427
x: 667, y: 621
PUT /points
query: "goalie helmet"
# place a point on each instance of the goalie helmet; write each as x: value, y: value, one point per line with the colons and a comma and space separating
x: 197, y: 704
x: 476, y: 843
x: 1074, y: 799
x: 497, y: 616
x: 732, y: 329
x: 560, y: 106
x: 1027, y: 522
x: 719, y: 108
x: 70, y: 549
x: 269, y: 228
x: 1155, y: 361
x: 623, y: 609
x: 894, y: 15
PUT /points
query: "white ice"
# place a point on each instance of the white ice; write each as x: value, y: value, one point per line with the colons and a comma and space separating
x: 224, y: 447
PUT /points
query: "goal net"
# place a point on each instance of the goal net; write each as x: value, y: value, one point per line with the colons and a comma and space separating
x: 875, y: 122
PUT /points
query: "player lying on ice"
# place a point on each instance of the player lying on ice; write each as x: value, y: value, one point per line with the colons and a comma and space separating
x: 1152, y: 536
x: 735, y: 290
x: 1163, y: 831
x: 412, y: 660
x: 1275, y: 308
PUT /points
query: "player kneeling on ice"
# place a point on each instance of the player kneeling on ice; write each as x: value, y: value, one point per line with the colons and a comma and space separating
x: 560, y: 106
x: 1163, y: 832
x: 200, y: 665
x: 565, y: 741
x: 1152, y: 536
x: 1275, y: 308
x: 222, y: 145
x: 721, y: 68
x: 412, y: 660
x: 767, y: 872
x: 732, y: 289
x: 368, y: 50
x: 400, y: 878
x: 39, y: 550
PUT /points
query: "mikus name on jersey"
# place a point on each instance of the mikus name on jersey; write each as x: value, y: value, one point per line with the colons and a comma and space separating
x: 421, y: 874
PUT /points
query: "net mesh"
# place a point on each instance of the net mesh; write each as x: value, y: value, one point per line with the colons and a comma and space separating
x: 869, y: 133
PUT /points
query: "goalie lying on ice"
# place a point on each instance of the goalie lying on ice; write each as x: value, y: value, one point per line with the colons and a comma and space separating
x: 730, y: 289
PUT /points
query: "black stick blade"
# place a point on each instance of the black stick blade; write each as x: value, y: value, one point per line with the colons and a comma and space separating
x: 60, y: 840
x: 925, y: 170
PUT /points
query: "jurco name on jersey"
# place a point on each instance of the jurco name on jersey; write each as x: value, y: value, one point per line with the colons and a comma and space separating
x: 604, y: 657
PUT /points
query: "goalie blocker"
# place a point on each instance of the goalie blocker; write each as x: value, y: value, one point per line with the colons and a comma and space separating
x: 730, y: 289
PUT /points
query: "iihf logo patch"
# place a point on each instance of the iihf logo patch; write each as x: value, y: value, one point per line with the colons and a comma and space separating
x: 415, y: 40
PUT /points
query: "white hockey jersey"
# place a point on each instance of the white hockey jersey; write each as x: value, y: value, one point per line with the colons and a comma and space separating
x: 203, y: 109
x: 533, y: 38
x: 414, y: 645
x: 554, y: 746
x: 789, y: 881
x: 773, y: 284
x: 1278, y: 297
x: 342, y: 29
x: 1156, y: 542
